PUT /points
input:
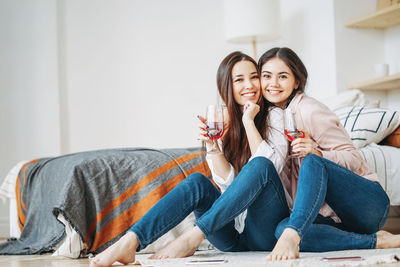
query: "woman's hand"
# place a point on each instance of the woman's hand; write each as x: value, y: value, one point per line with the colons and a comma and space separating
x: 305, y: 145
x: 203, y: 134
x: 250, y: 110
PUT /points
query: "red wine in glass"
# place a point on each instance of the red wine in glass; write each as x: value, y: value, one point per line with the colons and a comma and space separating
x: 291, y: 130
x: 215, y: 130
x: 215, y: 125
x: 291, y: 135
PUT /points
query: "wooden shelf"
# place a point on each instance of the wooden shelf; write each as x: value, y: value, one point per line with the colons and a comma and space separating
x: 381, y: 19
x: 390, y: 82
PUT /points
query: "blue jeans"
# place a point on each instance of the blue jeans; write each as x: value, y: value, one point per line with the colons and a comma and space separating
x: 361, y: 204
x: 257, y: 188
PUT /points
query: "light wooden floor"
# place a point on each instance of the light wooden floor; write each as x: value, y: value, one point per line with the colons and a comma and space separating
x: 41, y: 261
x: 47, y: 260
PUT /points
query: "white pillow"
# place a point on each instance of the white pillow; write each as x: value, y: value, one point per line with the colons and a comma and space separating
x: 353, y: 97
x: 367, y: 125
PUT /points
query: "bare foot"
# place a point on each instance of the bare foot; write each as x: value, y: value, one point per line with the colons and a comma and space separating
x: 385, y: 239
x: 287, y: 246
x: 184, y: 246
x: 122, y: 251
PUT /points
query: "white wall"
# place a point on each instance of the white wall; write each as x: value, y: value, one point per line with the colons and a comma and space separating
x: 358, y: 50
x: 138, y: 71
x: 392, y: 57
x: 29, y: 116
x: 308, y: 28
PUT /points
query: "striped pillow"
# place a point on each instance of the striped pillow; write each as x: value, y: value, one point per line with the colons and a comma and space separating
x: 383, y: 161
x: 367, y: 125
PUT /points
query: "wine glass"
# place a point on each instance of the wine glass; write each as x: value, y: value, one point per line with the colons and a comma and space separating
x: 215, y: 125
x: 291, y: 131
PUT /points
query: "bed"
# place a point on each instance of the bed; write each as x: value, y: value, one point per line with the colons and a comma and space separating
x: 78, y: 204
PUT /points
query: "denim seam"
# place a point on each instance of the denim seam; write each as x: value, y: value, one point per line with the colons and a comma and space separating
x: 383, y: 217
x: 202, y: 228
x: 232, y: 217
x: 282, y: 200
x: 335, y: 165
x: 308, y: 217
x: 166, y: 226
x: 374, y: 239
x: 294, y: 228
x: 358, y: 236
x: 338, y: 167
x: 139, y: 237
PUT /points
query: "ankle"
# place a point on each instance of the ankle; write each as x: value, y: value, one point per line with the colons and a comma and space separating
x: 132, y: 239
x: 292, y: 235
x: 196, y: 236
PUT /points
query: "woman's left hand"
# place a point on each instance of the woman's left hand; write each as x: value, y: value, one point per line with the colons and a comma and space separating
x: 305, y: 145
x: 250, y: 110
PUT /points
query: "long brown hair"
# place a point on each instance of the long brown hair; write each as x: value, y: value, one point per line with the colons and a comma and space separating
x: 235, y: 144
x: 293, y: 61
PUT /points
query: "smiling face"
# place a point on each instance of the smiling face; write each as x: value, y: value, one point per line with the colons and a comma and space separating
x: 245, y: 82
x: 277, y: 82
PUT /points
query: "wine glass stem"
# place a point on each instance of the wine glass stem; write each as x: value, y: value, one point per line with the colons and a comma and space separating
x: 214, y: 147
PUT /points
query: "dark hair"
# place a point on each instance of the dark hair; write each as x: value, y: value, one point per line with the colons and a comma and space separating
x: 235, y: 144
x: 293, y: 61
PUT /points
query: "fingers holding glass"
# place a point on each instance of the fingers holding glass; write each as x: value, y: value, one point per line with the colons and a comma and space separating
x: 290, y: 129
x: 214, y: 126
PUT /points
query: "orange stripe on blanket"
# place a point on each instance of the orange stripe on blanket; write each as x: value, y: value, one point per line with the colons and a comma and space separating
x: 134, y: 213
x: 134, y: 189
x: 21, y: 207
x: 21, y: 215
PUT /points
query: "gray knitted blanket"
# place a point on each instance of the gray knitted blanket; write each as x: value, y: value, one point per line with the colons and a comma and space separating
x: 101, y: 194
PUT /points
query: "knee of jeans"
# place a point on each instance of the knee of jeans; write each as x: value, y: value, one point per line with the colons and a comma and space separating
x: 263, y: 168
x: 310, y: 159
x: 198, y: 180
x: 281, y: 227
x: 262, y: 164
x: 261, y: 161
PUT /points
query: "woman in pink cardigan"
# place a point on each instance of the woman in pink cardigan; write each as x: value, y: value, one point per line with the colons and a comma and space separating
x: 338, y: 202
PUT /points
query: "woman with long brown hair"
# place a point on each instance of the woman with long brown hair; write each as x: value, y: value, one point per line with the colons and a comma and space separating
x: 338, y: 202
x: 244, y: 213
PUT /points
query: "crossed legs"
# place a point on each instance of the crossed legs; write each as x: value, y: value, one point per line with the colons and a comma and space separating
x: 362, y: 205
x: 256, y: 188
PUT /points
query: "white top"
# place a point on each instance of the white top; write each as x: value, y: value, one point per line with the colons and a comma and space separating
x: 275, y: 148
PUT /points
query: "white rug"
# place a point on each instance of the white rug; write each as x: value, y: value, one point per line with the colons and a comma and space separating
x: 370, y: 257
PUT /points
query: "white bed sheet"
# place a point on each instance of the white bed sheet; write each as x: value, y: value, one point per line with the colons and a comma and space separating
x: 385, y: 161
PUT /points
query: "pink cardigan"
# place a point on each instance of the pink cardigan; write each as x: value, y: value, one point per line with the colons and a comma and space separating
x: 332, y: 139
